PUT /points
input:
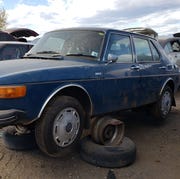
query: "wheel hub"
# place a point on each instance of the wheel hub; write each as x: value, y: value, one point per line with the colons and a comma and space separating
x: 166, y: 103
x: 66, y: 127
x: 108, y: 132
x: 69, y: 127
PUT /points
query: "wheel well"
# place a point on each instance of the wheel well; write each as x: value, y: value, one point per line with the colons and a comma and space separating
x: 82, y: 96
x: 171, y: 85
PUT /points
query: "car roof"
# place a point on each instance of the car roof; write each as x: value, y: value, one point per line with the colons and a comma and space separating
x: 21, y: 32
x: 15, y: 43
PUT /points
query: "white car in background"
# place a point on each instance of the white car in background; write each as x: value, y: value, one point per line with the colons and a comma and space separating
x: 172, y: 48
x: 14, y: 43
x: 13, y: 49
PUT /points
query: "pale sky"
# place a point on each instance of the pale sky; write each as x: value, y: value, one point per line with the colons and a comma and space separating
x: 45, y: 15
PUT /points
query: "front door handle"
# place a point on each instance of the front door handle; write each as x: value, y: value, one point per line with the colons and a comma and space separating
x: 98, y: 74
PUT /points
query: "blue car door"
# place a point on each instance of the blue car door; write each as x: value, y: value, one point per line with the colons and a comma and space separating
x: 153, y: 70
x: 121, y: 74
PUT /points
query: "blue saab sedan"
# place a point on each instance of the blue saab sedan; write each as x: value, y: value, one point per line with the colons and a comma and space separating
x: 73, y: 75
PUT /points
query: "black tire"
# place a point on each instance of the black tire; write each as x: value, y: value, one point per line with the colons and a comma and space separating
x: 108, y: 156
x: 162, y: 107
x: 15, y: 141
x: 56, y: 133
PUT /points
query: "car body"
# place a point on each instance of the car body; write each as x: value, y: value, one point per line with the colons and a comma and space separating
x: 73, y: 75
x: 171, y: 46
x: 13, y: 49
x: 5, y: 36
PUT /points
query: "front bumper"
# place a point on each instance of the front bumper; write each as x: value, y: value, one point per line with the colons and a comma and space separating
x: 11, y: 117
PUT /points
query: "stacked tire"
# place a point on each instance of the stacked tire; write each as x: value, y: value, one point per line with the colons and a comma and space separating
x: 108, y: 156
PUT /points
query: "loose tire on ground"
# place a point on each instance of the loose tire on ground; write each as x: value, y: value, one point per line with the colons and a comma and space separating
x: 107, y: 130
x: 108, y: 156
x: 14, y: 141
x: 60, y: 127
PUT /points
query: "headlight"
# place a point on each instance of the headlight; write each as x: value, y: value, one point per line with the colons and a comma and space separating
x: 12, y: 91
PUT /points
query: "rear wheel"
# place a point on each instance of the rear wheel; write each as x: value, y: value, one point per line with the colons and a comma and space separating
x: 162, y: 107
x: 60, y: 127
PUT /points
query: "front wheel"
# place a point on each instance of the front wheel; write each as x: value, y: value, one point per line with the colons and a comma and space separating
x: 162, y: 107
x: 60, y: 127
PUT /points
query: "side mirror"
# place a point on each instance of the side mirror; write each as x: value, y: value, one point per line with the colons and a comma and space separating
x: 112, y: 58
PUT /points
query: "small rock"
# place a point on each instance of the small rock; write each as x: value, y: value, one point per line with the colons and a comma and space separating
x: 111, y: 175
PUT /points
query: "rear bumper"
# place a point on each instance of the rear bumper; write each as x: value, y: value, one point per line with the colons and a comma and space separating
x: 11, y: 117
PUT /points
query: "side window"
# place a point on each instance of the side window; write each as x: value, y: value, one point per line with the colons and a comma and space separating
x: 176, y: 46
x: 8, y: 52
x: 143, y: 51
x: 1, y: 53
x: 21, y: 50
x: 120, y: 47
x: 155, y: 53
x: 173, y: 46
x: 168, y: 48
x: 13, y: 51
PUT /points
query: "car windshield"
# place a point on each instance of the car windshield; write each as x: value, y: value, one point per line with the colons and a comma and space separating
x: 69, y: 43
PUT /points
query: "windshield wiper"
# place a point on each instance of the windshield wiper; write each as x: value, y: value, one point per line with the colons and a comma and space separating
x: 29, y: 55
x: 47, y: 52
x: 80, y: 54
x: 41, y: 56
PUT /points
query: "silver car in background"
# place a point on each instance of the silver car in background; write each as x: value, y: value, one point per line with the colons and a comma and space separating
x: 172, y: 48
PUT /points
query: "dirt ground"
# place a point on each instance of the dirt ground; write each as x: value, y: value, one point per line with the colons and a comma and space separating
x: 158, y: 155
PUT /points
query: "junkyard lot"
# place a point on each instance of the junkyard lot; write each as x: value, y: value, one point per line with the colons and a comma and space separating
x: 158, y: 155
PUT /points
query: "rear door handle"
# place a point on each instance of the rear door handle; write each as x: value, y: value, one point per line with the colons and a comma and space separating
x: 135, y: 67
x: 163, y: 67
x: 167, y: 67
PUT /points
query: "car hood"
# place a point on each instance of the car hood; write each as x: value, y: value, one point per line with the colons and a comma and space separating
x: 43, y: 70
x: 176, y: 34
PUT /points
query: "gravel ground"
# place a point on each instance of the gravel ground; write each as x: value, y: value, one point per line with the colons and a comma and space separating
x: 158, y: 155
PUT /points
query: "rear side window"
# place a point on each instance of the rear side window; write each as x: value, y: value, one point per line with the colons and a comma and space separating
x: 168, y: 48
x: 155, y: 53
x: 143, y: 51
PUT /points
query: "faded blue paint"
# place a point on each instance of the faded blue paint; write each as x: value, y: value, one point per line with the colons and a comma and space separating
x: 110, y: 86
